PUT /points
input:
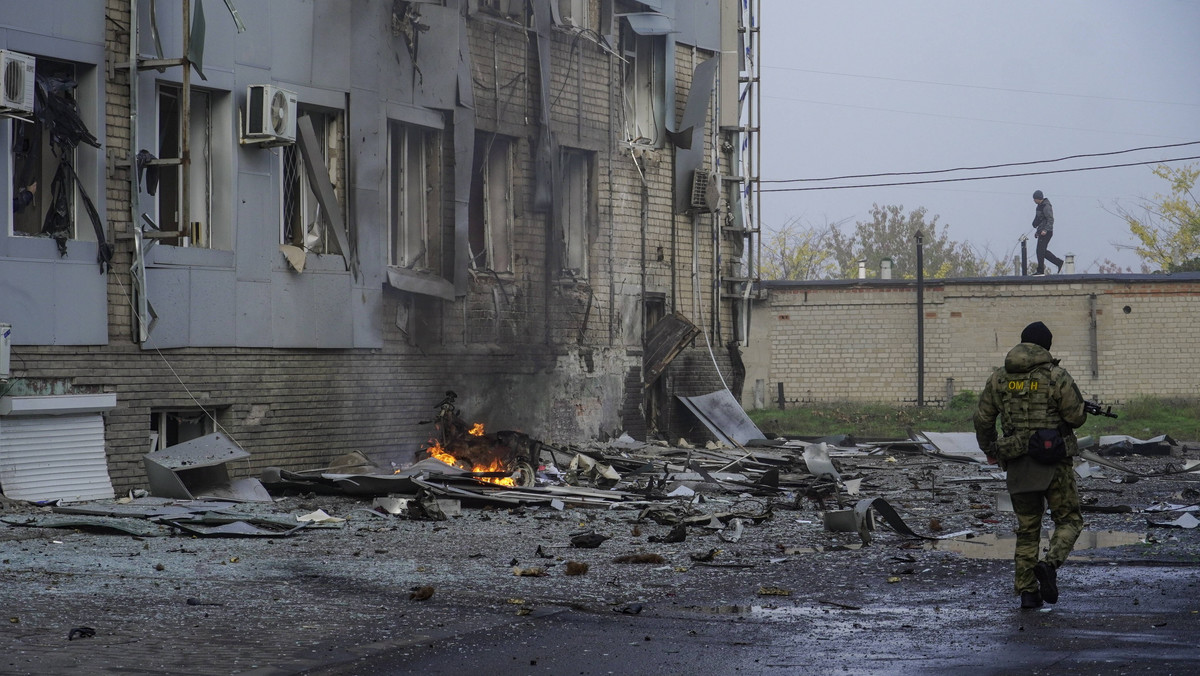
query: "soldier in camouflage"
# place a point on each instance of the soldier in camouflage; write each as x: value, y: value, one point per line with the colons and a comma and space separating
x: 1039, y: 407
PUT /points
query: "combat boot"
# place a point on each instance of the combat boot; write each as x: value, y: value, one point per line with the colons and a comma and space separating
x: 1031, y: 600
x: 1047, y: 578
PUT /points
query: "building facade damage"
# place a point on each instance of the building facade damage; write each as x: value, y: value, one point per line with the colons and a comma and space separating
x: 318, y: 217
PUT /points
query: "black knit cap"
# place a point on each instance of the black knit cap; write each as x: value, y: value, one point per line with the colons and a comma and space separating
x: 1037, y: 195
x: 1038, y: 334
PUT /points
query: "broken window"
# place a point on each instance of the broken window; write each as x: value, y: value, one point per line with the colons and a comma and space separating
x: 645, y: 88
x: 574, y: 12
x: 206, y: 171
x: 302, y: 224
x: 409, y: 196
x: 168, y: 428
x: 575, y: 211
x: 44, y: 198
x: 509, y: 8
x: 491, y: 212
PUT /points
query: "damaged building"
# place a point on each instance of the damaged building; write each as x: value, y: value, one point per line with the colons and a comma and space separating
x: 299, y: 224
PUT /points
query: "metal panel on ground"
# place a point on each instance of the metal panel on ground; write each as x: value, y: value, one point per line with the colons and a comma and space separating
x: 54, y: 457
x: 723, y: 416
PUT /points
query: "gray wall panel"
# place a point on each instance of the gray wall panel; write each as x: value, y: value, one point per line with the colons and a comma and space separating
x: 368, y: 317
x: 698, y: 22
x: 257, y: 221
x: 372, y: 238
x: 291, y: 46
x: 310, y: 310
x: 254, y: 47
x: 81, y: 20
x: 438, y: 58
x: 59, y: 303
x: 253, y: 314
x: 168, y: 292
x: 212, y: 308
x: 332, y: 67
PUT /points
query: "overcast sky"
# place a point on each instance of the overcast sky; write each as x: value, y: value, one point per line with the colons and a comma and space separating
x: 864, y: 87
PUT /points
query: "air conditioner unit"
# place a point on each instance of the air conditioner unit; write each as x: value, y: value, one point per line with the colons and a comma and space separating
x: 17, y: 83
x: 270, y: 116
x: 706, y: 191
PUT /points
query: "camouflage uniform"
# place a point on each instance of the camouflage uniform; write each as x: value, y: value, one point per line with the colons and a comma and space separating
x: 1029, y: 393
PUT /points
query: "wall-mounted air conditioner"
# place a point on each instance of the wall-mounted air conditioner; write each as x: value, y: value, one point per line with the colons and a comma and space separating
x: 270, y: 116
x: 706, y: 191
x: 16, y: 83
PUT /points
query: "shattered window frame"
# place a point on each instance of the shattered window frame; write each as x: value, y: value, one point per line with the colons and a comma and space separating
x: 209, y: 169
x: 29, y: 221
x: 491, y: 210
x: 575, y: 211
x: 298, y: 203
x: 645, y: 87
x: 409, y: 193
x: 504, y: 8
x: 575, y: 13
x: 169, y: 427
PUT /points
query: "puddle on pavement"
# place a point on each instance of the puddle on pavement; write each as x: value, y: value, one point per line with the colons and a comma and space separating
x: 761, y: 611
x: 1004, y: 546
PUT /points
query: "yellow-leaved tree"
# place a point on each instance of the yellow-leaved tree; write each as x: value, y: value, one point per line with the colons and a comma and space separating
x: 1167, y: 227
x: 799, y: 252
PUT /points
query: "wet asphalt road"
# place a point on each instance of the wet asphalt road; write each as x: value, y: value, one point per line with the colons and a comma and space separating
x: 788, y: 597
x: 1137, y: 617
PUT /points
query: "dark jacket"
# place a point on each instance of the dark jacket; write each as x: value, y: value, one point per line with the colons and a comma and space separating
x: 1043, y: 219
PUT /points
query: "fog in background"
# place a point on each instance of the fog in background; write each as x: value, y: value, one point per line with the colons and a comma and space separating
x: 862, y: 87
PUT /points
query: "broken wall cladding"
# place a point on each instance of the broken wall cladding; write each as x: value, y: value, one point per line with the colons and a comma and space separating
x: 509, y: 103
x: 500, y: 61
x: 839, y: 340
x: 692, y: 373
x: 507, y: 86
x: 498, y: 315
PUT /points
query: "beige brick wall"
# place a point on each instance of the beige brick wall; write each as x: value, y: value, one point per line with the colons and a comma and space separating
x: 857, y: 341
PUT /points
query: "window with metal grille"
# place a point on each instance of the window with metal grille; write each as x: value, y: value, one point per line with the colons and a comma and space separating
x: 302, y: 223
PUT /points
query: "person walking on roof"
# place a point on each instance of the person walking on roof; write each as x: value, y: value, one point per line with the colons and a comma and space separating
x: 1039, y: 407
x: 1043, y: 230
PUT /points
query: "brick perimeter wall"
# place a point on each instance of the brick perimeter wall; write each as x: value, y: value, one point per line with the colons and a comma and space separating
x: 858, y: 342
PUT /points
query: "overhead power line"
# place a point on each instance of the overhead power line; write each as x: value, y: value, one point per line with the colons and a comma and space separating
x: 1036, y: 125
x: 982, y: 167
x: 972, y: 86
x: 979, y: 178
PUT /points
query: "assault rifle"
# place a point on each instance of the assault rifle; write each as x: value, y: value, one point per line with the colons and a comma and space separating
x: 1093, y: 408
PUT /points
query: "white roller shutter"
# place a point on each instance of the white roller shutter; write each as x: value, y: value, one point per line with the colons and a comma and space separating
x: 54, y: 457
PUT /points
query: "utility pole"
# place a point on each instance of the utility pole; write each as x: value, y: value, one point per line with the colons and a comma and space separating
x: 920, y: 237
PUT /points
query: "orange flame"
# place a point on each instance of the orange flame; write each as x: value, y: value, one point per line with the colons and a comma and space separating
x: 477, y: 430
x: 435, y: 450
